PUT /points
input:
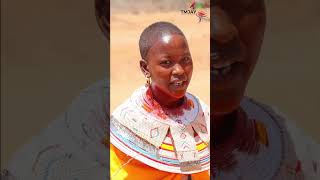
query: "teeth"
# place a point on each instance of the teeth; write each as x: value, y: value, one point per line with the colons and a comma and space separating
x: 221, y: 71
x: 222, y: 65
x: 178, y: 83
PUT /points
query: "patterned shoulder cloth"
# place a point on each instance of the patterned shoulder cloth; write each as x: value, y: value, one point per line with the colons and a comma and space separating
x: 306, y: 149
x: 70, y: 148
x: 170, y: 140
x: 271, y: 148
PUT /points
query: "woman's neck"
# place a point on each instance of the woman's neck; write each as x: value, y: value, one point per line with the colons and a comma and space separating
x: 224, y: 126
x: 165, y: 99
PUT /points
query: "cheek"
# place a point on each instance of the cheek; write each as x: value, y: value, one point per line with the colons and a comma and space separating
x: 189, y: 70
x: 160, y: 75
x: 251, y: 31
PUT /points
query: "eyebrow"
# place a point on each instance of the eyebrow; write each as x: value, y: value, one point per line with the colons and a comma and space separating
x: 187, y: 53
x: 166, y: 55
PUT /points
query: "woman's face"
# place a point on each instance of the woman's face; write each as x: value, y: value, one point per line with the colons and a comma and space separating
x: 237, y: 33
x: 169, y: 65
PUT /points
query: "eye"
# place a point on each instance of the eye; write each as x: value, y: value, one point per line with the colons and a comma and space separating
x: 186, y: 60
x: 165, y: 62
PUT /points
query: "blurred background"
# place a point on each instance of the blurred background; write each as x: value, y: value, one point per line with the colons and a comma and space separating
x: 287, y: 75
x: 50, y: 50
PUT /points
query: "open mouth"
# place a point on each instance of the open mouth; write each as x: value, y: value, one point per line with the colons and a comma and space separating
x: 179, y: 84
x: 222, y: 69
x: 226, y: 58
x: 224, y: 65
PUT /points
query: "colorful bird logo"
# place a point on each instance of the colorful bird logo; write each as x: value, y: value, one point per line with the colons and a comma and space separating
x: 198, y: 6
x: 201, y: 15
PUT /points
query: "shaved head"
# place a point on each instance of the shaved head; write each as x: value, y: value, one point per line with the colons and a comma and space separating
x: 154, y: 32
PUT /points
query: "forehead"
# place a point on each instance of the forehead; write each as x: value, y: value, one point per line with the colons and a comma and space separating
x: 168, y: 41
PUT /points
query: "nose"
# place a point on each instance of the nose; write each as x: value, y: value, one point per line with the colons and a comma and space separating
x: 178, y: 70
x: 223, y: 29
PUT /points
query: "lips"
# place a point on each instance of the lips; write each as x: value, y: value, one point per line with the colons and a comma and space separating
x: 227, y: 71
x: 221, y: 69
x: 223, y: 61
x: 179, y: 84
x: 223, y: 66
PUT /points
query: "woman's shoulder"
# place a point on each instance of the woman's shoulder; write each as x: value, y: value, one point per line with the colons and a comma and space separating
x: 134, y: 101
x: 256, y: 108
x: 131, y: 103
x: 60, y: 139
x: 303, y: 146
x: 144, y: 130
x: 197, y: 99
x: 276, y: 114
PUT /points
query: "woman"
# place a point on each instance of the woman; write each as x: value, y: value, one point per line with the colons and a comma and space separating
x: 161, y: 131
x: 250, y: 140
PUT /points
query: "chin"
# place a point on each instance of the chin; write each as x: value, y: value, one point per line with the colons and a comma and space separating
x: 221, y: 108
x: 179, y: 94
x: 225, y: 104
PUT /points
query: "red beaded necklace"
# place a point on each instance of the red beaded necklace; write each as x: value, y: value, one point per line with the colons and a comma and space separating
x: 152, y: 106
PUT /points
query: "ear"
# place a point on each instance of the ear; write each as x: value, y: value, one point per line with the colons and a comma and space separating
x: 144, y: 68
